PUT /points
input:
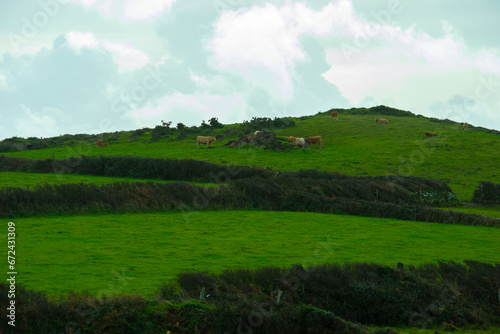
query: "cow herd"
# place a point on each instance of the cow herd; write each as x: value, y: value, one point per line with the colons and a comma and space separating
x: 301, y: 142
x: 307, y: 142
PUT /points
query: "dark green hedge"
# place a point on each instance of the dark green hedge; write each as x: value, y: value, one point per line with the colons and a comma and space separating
x: 487, y: 193
x: 327, y: 298
x: 254, y: 193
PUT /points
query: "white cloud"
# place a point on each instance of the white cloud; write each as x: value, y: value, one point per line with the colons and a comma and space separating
x: 129, y: 10
x: 128, y: 58
x: 410, y: 68
x: 262, y: 44
x: 78, y: 40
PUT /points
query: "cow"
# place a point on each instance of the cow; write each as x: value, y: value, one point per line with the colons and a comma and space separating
x: 381, y: 120
x: 98, y: 143
x: 290, y: 138
x: 104, y: 144
x: 256, y: 133
x: 465, y: 126
x: 204, y: 140
x: 300, y: 142
x: 314, y: 140
x: 335, y: 114
x: 428, y: 134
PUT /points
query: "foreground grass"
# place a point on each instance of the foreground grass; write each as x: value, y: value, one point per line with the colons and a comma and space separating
x: 31, y: 180
x: 353, y: 145
x: 136, y: 253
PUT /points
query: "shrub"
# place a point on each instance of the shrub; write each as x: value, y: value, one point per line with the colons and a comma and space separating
x: 214, y: 123
x: 487, y: 193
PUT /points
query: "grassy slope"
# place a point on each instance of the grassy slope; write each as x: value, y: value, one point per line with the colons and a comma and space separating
x: 354, y: 145
x: 31, y: 180
x: 137, y: 252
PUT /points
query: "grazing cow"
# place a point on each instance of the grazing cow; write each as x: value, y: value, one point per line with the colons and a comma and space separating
x: 290, y: 138
x: 104, y: 144
x: 98, y: 142
x: 204, y: 140
x: 300, y: 142
x: 381, y: 120
x: 335, y: 114
x: 465, y: 126
x: 314, y: 140
x: 256, y: 133
x: 428, y: 134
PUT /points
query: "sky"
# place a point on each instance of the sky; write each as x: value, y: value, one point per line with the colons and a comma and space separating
x: 94, y: 66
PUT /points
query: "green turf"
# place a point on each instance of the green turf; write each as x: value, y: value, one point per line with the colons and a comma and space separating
x: 31, y: 180
x: 125, y: 253
x: 354, y: 145
x: 488, y: 211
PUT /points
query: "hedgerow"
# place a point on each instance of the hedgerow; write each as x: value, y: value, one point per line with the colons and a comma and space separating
x: 256, y: 193
x: 328, y: 298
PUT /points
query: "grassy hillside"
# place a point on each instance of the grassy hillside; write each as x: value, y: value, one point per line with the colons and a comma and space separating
x: 31, y: 180
x: 353, y: 145
x: 136, y: 253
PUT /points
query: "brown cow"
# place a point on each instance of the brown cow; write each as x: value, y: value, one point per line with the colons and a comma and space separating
x: 428, y: 134
x: 104, y: 144
x: 98, y: 142
x: 335, y: 114
x: 204, y: 140
x: 315, y: 140
x: 381, y: 120
x: 290, y: 138
x: 465, y: 126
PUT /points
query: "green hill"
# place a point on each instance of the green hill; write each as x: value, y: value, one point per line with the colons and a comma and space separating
x: 354, y: 145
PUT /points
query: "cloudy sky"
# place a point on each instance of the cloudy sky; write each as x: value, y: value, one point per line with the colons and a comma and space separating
x: 92, y: 66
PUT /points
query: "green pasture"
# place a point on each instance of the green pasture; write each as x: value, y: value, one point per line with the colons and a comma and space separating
x: 136, y: 253
x: 353, y: 145
x: 488, y: 211
x: 31, y: 180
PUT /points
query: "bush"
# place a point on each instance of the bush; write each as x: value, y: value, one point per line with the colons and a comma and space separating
x: 160, y: 132
x: 487, y: 193
x: 214, y: 123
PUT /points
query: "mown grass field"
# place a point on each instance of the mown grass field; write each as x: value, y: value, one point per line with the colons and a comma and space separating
x: 136, y: 253
x: 353, y: 145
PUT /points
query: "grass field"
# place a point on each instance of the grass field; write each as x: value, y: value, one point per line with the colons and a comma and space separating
x: 353, y: 145
x: 128, y: 253
x: 31, y: 180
